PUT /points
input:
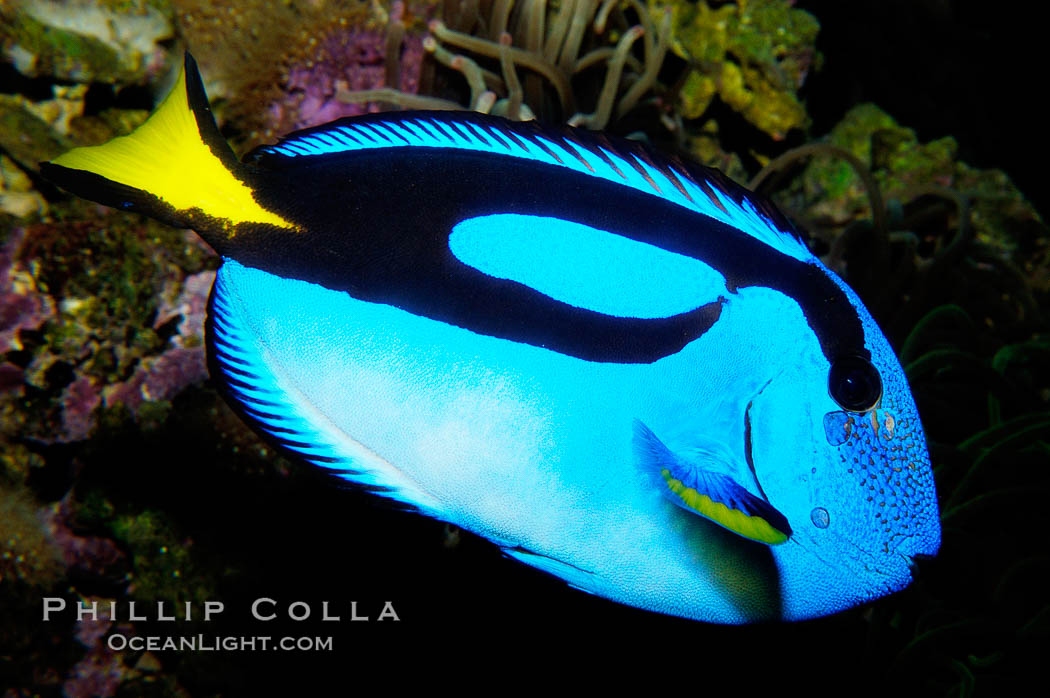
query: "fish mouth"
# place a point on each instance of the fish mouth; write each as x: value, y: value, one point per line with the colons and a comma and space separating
x: 915, y: 562
x: 913, y: 566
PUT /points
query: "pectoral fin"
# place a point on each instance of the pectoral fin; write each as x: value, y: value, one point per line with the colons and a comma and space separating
x: 711, y: 494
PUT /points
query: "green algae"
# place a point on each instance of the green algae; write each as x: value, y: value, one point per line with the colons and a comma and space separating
x: 109, y: 270
x: 17, y: 462
x: 830, y: 192
x: 64, y: 54
x: 26, y: 137
x: 87, y: 40
x: 32, y: 132
x: 94, y: 509
x: 834, y: 189
x: 1005, y: 221
x: 108, y: 274
x: 163, y: 567
x: 152, y: 414
x: 26, y: 552
x: 752, y: 54
x: 17, y: 195
x: 163, y: 564
x: 99, y: 128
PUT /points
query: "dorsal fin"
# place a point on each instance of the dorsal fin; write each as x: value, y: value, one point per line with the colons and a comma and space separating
x: 592, y: 154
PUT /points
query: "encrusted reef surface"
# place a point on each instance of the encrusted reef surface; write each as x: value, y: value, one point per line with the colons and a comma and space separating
x: 125, y: 478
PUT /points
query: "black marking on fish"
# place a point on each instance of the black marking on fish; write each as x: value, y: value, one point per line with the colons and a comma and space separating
x: 397, y: 253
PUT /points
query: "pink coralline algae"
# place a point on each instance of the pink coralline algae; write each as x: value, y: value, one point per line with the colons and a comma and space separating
x: 98, y: 557
x: 11, y: 377
x: 183, y: 364
x: 21, y: 307
x: 354, y: 59
x: 79, y: 400
x: 99, y: 673
x: 90, y: 631
x: 190, y: 307
x: 160, y: 378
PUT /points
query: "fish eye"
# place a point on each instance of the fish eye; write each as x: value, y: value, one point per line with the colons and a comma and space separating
x: 854, y: 384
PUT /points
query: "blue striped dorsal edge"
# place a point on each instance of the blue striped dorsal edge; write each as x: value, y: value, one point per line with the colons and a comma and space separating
x: 592, y: 154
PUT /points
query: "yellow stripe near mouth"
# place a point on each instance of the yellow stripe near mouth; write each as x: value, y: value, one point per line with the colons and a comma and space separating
x: 167, y: 157
x: 753, y: 527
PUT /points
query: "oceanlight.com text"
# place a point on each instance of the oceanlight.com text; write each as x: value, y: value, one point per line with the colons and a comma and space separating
x: 214, y: 643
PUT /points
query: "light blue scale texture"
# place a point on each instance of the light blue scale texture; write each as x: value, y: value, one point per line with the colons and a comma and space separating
x: 584, y: 266
x: 467, y: 135
x: 890, y: 466
x: 533, y: 449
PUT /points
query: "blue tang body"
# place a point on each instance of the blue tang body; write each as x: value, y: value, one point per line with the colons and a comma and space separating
x: 620, y: 368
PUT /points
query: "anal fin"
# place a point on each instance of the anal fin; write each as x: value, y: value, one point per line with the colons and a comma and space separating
x: 576, y: 577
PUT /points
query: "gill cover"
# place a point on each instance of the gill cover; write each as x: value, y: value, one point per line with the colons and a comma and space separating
x: 176, y: 167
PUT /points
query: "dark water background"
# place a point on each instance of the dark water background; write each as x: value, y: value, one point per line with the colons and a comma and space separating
x: 968, y: 69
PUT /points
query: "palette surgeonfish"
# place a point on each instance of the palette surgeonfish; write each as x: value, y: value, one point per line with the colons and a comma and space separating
x: 619, y: 367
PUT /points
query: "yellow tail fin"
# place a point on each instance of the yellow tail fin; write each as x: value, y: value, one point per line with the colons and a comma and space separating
x: 175, y: 167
